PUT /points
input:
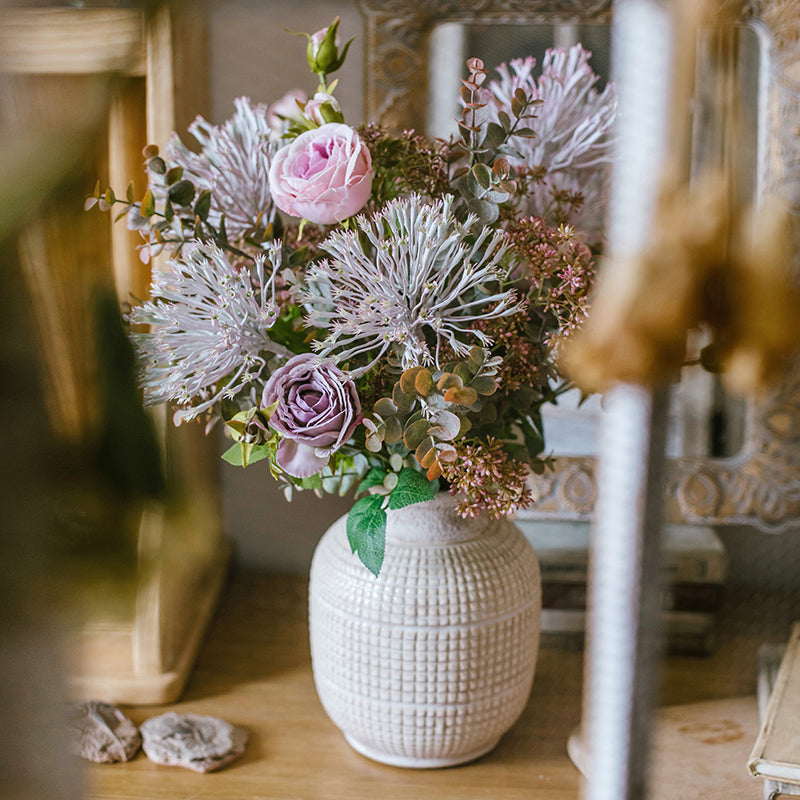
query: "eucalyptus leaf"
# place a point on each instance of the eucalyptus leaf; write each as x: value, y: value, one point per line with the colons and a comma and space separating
x: 173, y: 175
x: 482, y: 175
x: 203, y: 205
x: 486, y: 211
x: 148, y: 207
x: 181, y: 192
x: 495, y: 136
x: 385, y: 407
x: 157, y: 165
x: 415, y: 433
x: 507, y: 150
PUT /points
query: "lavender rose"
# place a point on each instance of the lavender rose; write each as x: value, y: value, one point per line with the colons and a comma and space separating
x: 318, y: 410
x: 324, y: 175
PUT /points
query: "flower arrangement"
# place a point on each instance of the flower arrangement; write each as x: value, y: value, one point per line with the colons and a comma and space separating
x: 403, y: 333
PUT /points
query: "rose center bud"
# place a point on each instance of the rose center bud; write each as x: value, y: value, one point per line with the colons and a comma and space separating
x: 313, y: 403
x: 311, y: 163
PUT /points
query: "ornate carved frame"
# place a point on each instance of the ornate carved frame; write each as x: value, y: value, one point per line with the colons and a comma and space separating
x: 760, y: 485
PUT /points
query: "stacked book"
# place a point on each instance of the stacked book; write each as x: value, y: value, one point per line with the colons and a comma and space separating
x: 776, y: 752
x: 695, y: 567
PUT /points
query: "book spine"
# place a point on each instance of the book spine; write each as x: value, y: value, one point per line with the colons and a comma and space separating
x: 675, y: 597
x: 689, y: 632
x: 683, y: 568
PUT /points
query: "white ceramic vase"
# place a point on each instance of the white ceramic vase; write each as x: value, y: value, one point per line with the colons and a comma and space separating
x: 430, y: 663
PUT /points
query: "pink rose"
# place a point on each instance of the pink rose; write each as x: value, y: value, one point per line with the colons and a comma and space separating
x: 285, y: 111
x: 321, y: 105
x: 317, y: 411
x: 324, y: 175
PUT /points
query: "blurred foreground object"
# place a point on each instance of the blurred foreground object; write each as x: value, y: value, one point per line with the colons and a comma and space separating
x: 88, y: 87
x: 714, y: 259
x: 708, y: 264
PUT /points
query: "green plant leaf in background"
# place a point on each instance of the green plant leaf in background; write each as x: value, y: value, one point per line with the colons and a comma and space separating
x: 242, y: 453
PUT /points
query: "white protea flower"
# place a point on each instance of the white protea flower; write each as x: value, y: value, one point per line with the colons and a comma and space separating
x: 234, y: 165
x: 208, y: 328
x: 573, y: 125
x: 410, y: 279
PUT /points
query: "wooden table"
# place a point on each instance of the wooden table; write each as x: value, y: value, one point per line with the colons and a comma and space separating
x: 254, y: 671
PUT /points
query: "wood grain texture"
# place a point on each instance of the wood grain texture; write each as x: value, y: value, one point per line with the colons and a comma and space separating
x: 254, y: 671
x: 71, y: 41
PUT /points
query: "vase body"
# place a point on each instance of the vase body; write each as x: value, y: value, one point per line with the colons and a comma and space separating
x: 430, y: 663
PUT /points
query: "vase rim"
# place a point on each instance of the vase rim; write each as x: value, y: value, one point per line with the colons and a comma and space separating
x: 435, y: 522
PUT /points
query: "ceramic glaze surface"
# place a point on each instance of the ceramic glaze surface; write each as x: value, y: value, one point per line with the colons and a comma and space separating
x: 431, y: 662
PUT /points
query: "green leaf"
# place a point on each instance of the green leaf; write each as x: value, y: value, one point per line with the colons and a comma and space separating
x: 403, y: 401
x: 173, y: 175
x: 482, y: 175
x: 148, y: 207
x: 495, y: 136
x: 241, y: 454
x: 298, y: 257
x: 366, y: 531
x: 181, y: 193
x: 312, y: 481
x: 507, y: 150
x: 157, y: 165
x: 486, y: 211
x: 484, y: 385
x: 203, y: 205
x: 385, y: 407
x: 373, y: 478
x: 412, y: 487
x: 233, y: 455
x: 414, y: 433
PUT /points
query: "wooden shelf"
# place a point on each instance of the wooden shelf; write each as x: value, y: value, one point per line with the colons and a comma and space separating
x: 254, y: 670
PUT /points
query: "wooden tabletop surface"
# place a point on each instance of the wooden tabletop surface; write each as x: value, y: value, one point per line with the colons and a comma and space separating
x: 254, y: 671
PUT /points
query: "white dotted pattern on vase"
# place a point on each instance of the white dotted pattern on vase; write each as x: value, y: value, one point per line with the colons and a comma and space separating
x: 435, y: 657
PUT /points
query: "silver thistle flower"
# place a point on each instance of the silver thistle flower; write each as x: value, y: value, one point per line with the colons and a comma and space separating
x: 234, y: 165
x: 208, y: 328
x: 573, y: 145
x: 407, y: 280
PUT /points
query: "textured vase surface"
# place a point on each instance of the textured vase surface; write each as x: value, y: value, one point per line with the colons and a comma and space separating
x: 430, y: 663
